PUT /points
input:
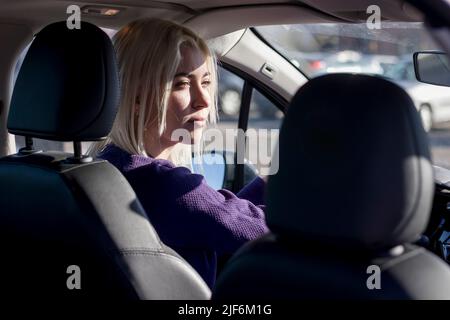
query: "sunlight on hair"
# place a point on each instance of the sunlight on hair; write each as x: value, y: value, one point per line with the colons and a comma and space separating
x: 148, y: 54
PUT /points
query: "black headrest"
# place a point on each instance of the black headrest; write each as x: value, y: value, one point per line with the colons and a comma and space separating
x: 355, y: 166
x: 68, y: 86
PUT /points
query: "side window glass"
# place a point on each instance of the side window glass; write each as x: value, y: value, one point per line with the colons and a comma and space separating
x: 230, y: 93
x: 263, y: 125
x: 229, y: 104
x: 264, y: 122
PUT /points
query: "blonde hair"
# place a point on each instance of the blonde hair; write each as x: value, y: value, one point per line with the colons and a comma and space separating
x: 148, y: 55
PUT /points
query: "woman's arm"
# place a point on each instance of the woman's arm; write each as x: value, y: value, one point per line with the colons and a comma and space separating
x: 188, y: 213
x: 254, y: 192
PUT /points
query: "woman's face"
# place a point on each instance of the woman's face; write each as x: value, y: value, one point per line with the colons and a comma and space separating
x: 189, y: 99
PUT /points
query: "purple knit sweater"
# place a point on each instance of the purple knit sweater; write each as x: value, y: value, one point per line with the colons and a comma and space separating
x: 195, y: 220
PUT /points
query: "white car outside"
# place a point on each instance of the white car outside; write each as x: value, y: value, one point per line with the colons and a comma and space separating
x: 433, y: 102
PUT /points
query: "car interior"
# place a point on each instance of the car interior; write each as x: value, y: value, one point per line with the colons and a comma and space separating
x: 358, y: 182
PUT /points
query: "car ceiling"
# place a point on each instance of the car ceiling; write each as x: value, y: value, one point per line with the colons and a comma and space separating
x: 36, y: 13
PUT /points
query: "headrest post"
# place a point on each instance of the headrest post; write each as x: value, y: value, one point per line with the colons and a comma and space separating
x: 78, y: 157
x: 28, y: 149
x: 77, y: 150
x: 29, y: 143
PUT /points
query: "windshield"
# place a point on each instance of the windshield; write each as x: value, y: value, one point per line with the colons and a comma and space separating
x: 317, y: 49
x: 325, y: 48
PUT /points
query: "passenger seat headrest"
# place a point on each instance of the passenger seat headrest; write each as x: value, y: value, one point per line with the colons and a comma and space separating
x: 68, y: 86
x: 355, y: 168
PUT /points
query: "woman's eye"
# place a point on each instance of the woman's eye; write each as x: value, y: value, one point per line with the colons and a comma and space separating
x: 206, y: 83
x: 182, y: 84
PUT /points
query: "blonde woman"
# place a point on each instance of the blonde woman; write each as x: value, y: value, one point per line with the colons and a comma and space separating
x: 169, y: 82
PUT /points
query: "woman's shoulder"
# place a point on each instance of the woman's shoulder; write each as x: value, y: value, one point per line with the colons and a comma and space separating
x: 129, y: 163
x: 145, y: 172
x: 126, y: 161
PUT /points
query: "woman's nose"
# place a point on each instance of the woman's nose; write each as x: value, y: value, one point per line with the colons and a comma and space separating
x: 201, y: 97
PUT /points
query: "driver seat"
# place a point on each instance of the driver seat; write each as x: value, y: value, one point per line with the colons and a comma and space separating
x: 71, y: 226
x: 353, y: 193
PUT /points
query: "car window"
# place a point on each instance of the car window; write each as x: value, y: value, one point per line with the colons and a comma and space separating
x: 229, y: 103
x: 264, y: 121
x: 263, y: 128
x: 317, y: 49
x: 230, y: 93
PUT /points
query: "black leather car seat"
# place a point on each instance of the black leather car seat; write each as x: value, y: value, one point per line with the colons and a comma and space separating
x: 353, y: 191
x: 72, y: 226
